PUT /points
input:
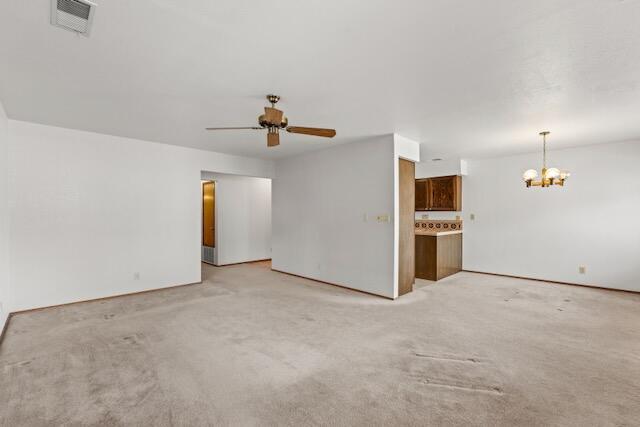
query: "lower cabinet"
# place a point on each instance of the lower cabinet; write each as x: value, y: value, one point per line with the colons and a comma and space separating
x: 438, y: 256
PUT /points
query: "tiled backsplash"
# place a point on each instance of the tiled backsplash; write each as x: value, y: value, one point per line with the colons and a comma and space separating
x: 438, y: 215
x: 439, y: 225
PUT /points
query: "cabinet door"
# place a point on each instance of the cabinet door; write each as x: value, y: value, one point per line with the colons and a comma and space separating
x: 444, y: 193
x: 421, y: 194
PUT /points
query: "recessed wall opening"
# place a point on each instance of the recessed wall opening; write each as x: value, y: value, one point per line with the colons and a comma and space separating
x: 235, y: 219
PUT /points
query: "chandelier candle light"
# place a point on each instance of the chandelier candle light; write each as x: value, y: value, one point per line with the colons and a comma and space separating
x: 550, y: 176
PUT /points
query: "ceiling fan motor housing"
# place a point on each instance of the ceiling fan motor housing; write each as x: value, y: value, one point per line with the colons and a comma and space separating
x: 262, y: 120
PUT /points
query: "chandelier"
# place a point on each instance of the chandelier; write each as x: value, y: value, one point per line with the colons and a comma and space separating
x: 550, y: 176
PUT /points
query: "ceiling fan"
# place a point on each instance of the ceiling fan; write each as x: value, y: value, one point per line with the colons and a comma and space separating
x: 273, y: 120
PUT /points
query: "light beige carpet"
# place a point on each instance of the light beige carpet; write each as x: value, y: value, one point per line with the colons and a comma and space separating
x: 253, y: 347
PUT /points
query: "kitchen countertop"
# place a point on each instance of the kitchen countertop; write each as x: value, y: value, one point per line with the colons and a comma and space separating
x: 436, y: 233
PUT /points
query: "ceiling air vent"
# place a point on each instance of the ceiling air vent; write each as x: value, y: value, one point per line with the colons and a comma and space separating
x: 73, y: 15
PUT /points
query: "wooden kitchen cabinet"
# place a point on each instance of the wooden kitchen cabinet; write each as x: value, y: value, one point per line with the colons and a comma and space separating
x: 442, y: 193
x: 421, y: 194
x: 438, y: 256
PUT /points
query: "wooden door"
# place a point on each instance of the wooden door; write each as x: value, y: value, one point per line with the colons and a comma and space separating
x: 209, y: 214
x: 406, y: 248
x: 444, y: 193
x: 421, y: 194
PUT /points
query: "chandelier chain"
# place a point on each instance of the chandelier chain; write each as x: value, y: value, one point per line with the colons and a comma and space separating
x: 544, y: 150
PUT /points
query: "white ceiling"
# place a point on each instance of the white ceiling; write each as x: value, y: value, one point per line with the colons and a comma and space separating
x: 465, y: 78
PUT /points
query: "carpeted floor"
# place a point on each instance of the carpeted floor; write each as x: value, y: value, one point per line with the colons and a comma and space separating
x: 253, y: 347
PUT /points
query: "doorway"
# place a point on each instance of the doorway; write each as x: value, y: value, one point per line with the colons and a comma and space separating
x: 235, y: 218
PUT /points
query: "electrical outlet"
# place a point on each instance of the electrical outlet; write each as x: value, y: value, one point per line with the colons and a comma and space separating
x: 472, y: 217
x: 582, y: 269
x: 425, y: 216
x: 136, y: 276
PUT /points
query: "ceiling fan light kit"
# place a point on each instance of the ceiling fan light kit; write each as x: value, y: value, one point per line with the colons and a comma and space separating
x: 549, y: 176
x: 273, y: 120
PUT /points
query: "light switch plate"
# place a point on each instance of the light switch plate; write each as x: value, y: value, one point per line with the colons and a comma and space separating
x: 383, y: 218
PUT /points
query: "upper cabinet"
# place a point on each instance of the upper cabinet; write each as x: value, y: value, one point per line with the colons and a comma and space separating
x: 442, y: 193
x: 421, y: 194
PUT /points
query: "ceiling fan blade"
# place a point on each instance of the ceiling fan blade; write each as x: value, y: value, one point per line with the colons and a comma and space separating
x: 273, y: 115
x: 273, y: 139
x: 327, y: 133
x: 236, y: 128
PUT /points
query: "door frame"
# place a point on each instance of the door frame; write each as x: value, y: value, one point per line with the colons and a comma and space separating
x: 406, y: 226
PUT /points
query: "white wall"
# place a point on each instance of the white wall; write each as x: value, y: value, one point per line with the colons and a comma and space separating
x: 4, y: 219
x: 427, y: 168
x: 325, y: 205
x: 88, y: 211
x: 243, y: 218
x: 548, y: 233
